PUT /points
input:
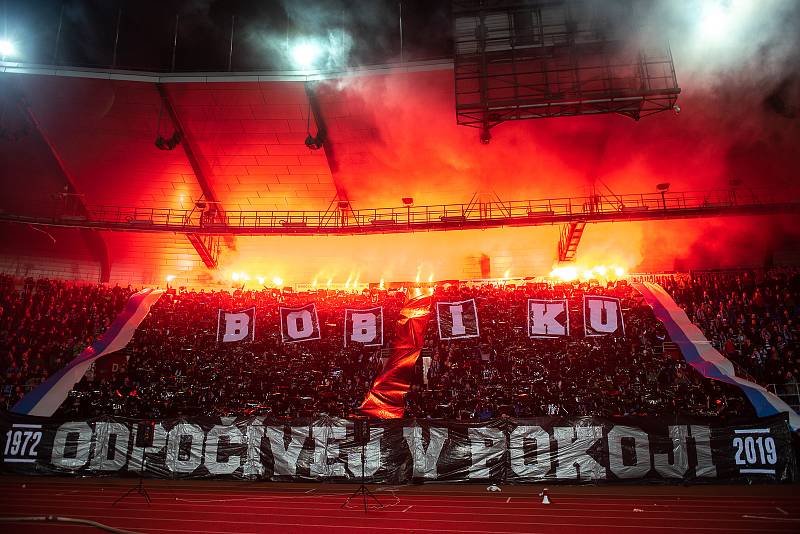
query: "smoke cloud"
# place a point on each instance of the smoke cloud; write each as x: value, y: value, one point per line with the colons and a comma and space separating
x: 396, y: 136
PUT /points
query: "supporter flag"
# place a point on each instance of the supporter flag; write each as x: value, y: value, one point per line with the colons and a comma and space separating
x: 701, y: 355
x: 299, y: 324
x: 457, y: 320
x: 548, y: 318
x: 48, y: 396
x: 364, y: 327
x: 602, y: 316
x: 386, y: 399
x: 236, y: 326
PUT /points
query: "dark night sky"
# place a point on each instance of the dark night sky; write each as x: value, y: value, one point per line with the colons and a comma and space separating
x: 261, y: 29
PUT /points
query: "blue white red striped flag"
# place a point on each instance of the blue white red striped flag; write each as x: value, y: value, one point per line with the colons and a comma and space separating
x: 48, y: 396
x: 700, y: 354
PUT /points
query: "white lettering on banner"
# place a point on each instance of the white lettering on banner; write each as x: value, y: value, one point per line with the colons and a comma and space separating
x: 140, y: 455
x: 286, y: 455
x: 457, y: 320
x: 213, y: 463
x: 326, y: 461
x: 677, y: 468
x: 756, y: 451
x: 641, y: 447
x: 485, y: 444
x: 237, y: 327
x: 299, y: 325
x: 602, y: 315
x: 567, y: 453
x: 111, y: 439
x: 66, y: 434
x: 457, y: 312
x: 425, y: 458
x: 364, y: 327
x: 22, y: 443
x: 701, y: 435
x: 541, y: 439
x: 372, y: 455
x: 573, y: 462
x: 255, y: 434
x: 177, y: 461
x: 543, y: 318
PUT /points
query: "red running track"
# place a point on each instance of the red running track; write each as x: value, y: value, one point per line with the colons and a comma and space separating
x: 249, y: 507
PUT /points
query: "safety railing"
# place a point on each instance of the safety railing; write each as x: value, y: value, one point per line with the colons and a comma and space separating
x: 592, y: 208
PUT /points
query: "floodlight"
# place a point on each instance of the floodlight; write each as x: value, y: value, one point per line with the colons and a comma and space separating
x: 305, y: 54
x: 408, y: 201
x: 715, y: 21
x: 662, y: 186
x: 7, y: 48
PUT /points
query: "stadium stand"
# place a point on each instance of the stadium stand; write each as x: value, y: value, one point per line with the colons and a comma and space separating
x: 175, y: 367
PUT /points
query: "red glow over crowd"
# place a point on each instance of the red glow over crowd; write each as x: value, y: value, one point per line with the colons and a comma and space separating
x: 175, y: 367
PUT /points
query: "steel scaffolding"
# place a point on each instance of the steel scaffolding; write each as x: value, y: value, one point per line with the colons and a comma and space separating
x: 522, y: 60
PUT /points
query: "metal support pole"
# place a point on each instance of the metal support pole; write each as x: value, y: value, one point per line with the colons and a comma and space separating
x: 116, y: 39
x: 230, y: 50
x: 175, y: 42
x: 402, y: 58
x: 58, y: 35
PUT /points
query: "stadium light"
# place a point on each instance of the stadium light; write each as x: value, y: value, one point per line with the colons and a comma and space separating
x: 663, y: 187
x: 7, y: 48
x: 715, y: 21
x: 305, y: 54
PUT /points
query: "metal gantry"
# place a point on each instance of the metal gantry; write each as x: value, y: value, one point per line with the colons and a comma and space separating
x: 518, y: 59
x: 473, y: 215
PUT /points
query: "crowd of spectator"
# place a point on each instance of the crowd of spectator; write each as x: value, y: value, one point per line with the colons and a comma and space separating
x: 174, y: 365
x: 507, y: 373
x: 44, y: 324
x: 751, y: 317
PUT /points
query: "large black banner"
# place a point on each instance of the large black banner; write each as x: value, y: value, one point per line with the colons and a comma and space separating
x: 549, y: 449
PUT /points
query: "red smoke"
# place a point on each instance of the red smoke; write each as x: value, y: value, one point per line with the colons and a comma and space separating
x: 396, y: 135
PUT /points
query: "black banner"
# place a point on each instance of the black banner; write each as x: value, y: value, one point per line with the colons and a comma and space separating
x: 364, y: 327
x: 236, y: 326
x: 509, y: 451
x: 457, y: 320
x: 299, y: 324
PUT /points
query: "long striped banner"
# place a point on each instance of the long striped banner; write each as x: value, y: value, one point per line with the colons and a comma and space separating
x: 48, y: 396
x: 700, y: 354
